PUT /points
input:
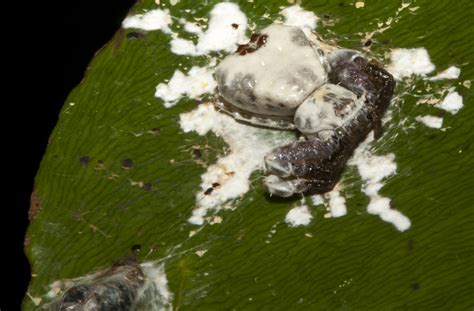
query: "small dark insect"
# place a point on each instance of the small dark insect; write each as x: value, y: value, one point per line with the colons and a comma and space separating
x: 208, y: 191
x: 216, y: 184
x: 368, y: 42
x: 235, y: 26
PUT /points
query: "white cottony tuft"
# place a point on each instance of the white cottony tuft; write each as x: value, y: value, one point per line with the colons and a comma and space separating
x: 197, y: 82
x: 299, y: 216
x: 431, y: 121
x: 297, y: 16
x: 247, y: 148
x: 407, y: 62
x: 452, y: 102
x: 337, y: 204
x: 452, y: 72
x: 373, y: 169
x: 226, y: 29
x: 151, y: 20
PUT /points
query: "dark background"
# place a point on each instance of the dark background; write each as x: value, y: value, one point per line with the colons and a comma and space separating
x: 54, y: 45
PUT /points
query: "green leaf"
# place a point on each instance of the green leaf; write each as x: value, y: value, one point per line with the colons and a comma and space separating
x: 110, y: 180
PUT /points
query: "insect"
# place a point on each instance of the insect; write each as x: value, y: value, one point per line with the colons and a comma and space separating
x: 334, y: 97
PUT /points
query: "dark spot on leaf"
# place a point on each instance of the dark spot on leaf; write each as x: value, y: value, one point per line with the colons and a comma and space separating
x: 326, y: 16
x: 127, y: 163
x: 196, y: 152
x: 441, y: 113
x: 85, y: 160
x: 147, y: 186
x: 341, y: 4
x: 368, y: 42
x: 155, y: 131
x: 35, y: 205
x: 235, y: 26
x: 135, y: 35
x: 208, y: 191
x: 136, y: 248
x: 216, y: 184
x: 415, y: 286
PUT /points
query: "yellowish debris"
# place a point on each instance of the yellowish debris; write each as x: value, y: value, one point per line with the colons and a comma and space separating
x: 359, y: 4
x: 201, y: 252
x: 467, y: 84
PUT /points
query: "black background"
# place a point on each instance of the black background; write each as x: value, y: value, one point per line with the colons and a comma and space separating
x: 49, y: 45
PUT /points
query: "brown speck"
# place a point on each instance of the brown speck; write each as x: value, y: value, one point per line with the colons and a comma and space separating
x: 368, y: 43
x: 147, y: 186
x: 208, y: 191
x: 216, y: 184
x: 35, y: 206
x: 230, y: 173
x: 235, y: 26
x: 84, y: 160
x: 100, y: 165
x: 415, y: 286
x: 135, y: 35
x: 136, y: 248
x: 196, y: 152
x: 127, y: 163
x: 155, y: 131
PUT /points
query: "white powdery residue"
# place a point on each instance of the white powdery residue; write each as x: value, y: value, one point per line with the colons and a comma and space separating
x: 247, y: 145
x: 193, y: 28
x: 373, y: 169
x: 317, y: 199
x: 380, y: 206
x: 299, y: 216
x: 197, y: 82
x: 337, y: 204
x: 407, y: 62
x: 452, y: 102
x: 226, y: 29
x: 155, y: 274
x: 151, y: 20
x: 297, y: 16
x: 452, y: 72
x: 431, y: 121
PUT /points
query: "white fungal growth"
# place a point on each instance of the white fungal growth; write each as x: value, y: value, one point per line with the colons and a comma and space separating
x: 407, y: 62
x: 431, y: 121
x: 373, y: 169
x: 196, y: 82
x: 452, y: 103
x: 226, y: 29
x: 299, y: 216
x: 452, y: 72
x: 247, y: 147
x: 297, y: 16
x: 152, y: 20
x: 337, y: 204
